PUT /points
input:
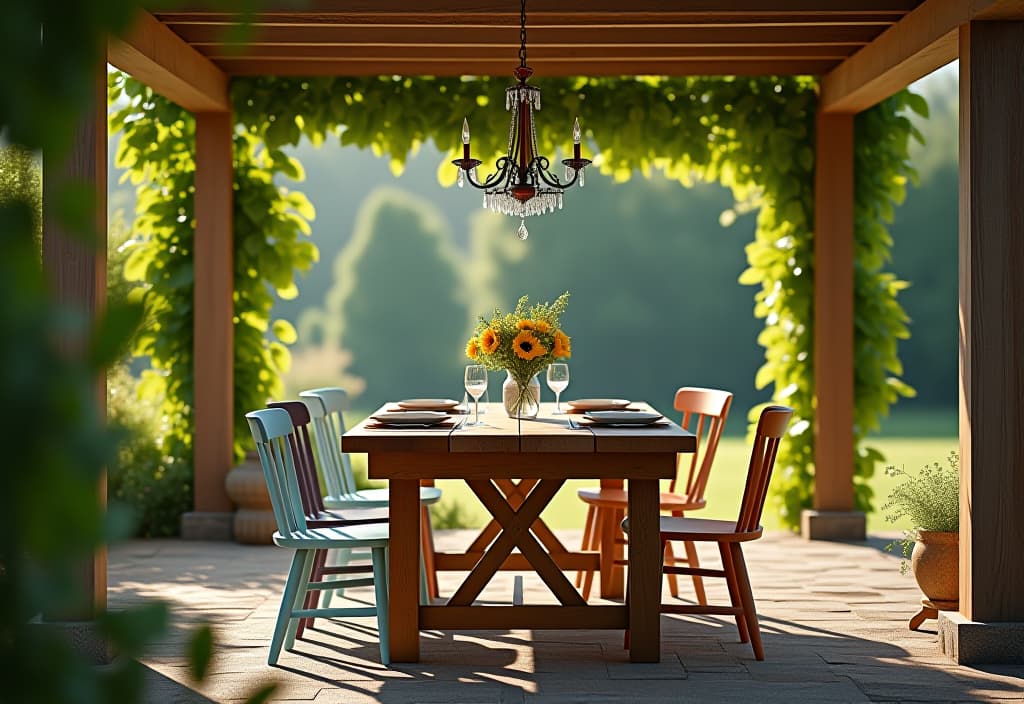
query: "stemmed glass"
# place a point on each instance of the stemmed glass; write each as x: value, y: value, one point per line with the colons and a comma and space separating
x: 558, y: 379
x: 476, y: 385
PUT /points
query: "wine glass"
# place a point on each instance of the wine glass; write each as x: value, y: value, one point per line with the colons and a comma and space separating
x: 558, y: 379
x: 476, y: 385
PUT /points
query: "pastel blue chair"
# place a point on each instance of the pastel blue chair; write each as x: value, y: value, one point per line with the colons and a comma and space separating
x: 272, y: 430
x: 326, y: 408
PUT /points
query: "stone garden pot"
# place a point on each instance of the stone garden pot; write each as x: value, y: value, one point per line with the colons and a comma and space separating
x: 935, y: 563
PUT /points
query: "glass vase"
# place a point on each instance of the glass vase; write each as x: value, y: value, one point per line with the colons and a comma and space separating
x: 520, y: 402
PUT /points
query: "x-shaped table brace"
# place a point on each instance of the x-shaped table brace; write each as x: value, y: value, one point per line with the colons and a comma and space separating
x: 516, y: 517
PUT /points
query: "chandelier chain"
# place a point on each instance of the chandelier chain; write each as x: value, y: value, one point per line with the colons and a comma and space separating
x: 522, y: 34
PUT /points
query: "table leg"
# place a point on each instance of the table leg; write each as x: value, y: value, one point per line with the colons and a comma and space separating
x: 644, y: 572
x: 404, y: 570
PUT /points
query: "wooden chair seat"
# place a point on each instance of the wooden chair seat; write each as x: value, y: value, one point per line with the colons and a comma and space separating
x: 378, y: 498
x: 367, y: 535
x: 619, y: 498
x: 702, y: 530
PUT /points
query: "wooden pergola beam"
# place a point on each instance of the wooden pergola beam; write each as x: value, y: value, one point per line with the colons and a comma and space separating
x: 553, y: 8
x: 923, y: 41
x: 625, y: 67
x: 159, y: 58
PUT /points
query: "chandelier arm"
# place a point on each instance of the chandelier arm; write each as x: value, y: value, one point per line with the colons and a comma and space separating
x: 550, y: 179
x: 494, y: 179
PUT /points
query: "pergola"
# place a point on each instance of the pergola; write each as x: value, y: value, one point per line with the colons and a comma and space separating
x: 863, y: 51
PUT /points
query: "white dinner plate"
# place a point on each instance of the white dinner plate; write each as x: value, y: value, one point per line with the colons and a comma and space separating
x: 428, y: 404
x: 622, y: 417
x: 599, y: 404
x: 411, y: 418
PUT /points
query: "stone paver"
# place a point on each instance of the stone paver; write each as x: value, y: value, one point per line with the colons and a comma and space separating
x: 833, y: 617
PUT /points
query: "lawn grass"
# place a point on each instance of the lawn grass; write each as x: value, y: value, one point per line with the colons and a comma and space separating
x: 725, y: 486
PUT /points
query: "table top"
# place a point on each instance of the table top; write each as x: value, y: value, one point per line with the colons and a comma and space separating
x: 547, y: 433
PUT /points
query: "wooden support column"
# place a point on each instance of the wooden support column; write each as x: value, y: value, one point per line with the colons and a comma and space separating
x: 990, y: 625
x: 213, y: 262
x: 833, y: 516
x: 77, y: 273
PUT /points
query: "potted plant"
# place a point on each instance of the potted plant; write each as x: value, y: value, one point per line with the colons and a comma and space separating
x: 931, y: 501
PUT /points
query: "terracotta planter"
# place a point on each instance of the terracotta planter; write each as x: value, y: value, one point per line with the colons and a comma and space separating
x: 254, y: 521
x: 936, y: 566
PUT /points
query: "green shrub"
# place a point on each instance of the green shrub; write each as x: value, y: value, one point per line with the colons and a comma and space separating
x: 154, y: 485
x: 930, y: 500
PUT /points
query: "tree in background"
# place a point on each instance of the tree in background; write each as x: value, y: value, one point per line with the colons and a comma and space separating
x: 401, y: 252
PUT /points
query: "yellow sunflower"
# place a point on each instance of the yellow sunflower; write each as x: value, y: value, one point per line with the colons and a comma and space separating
x: 473, y: 348
x: 527, y: 346
x: 489, y: 341
x: 525, y: 324
x: 542, y: 326
x: 563, y: 345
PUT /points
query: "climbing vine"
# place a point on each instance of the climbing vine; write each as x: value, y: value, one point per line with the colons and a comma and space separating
x: 753, y: 135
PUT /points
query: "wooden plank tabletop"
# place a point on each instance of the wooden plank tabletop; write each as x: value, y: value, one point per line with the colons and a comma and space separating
x: 498, y: 433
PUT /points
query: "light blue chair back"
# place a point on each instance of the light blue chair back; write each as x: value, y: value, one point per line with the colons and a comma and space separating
x: 272, y: 430
x: 326, y: 408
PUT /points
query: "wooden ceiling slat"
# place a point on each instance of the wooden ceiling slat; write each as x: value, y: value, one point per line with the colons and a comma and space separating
x: 508, y: 8
x: 502, y: 55
x: 713, y: 67
x: 509, y: 36
x: 625, y: 19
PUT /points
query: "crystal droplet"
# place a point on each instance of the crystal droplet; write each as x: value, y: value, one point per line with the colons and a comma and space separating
x: 582, y: 179
x: 522, y: 233
x: 485, y: 200
x: 462, y: 178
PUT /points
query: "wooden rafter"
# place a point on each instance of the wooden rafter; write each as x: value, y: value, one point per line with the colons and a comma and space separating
x: 157, y: 56
x: 924, y: 40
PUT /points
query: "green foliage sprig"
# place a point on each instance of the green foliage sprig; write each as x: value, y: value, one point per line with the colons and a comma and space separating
x: 930, y: 500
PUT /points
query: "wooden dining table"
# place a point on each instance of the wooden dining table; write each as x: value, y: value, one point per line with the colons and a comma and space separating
x: 515, y: 467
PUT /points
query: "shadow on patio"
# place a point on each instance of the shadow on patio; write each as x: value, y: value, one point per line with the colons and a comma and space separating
x: 833, y: 616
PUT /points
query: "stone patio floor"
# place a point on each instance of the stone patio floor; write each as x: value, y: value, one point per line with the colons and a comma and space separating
x: 833, y: 617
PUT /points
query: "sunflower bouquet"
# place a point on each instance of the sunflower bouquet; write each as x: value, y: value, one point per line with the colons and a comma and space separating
x: 523, y: 343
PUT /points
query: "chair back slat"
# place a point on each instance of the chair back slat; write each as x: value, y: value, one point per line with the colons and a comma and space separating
x: 271, y: 429
x: 771, y: 426
x: 302, y: 456
x: 326, y: 406
x: 708, y: 409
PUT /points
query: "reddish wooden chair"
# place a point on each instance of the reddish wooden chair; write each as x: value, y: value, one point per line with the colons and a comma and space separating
x: 704, y: 413
x: 730, y: 536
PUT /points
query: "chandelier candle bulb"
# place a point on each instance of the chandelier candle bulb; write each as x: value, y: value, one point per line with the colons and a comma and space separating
x: 465, y: 139
x: 576, y: 139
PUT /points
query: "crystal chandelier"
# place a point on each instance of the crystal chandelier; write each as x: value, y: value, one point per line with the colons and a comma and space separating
x: 522, y: 185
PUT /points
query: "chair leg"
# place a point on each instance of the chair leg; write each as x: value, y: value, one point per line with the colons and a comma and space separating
x: 380, y: 587
x: 587, y: 532
x: 291, y: 588
x: 601, y: 516
x: 300, y: 598
x: 734, y: 593
x: 747, y: 597
x: 698, y: 581
x: 313, y: 595
x: 427, y: 548
x: 670, y: 559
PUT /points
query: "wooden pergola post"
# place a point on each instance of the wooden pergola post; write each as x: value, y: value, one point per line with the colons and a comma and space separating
x: 990, y: 625
x: 833, y: 516
x: 213, y: 345
x: 77, y: 274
